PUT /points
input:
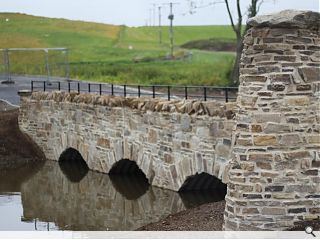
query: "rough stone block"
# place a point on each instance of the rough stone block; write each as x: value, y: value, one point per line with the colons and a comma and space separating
x: 256, y: 128
x: 267, y: 117
x: 290, y: 139
x: 310, y: 74
x: 281, y: 77
x: 273, y: 211
x: 297, y: 210
x: 265, y: 140
x: 297, y: 100
x: 274, y: 188
x: 276, y: 128
x: 285, y: 58
x: 263, y: 157
x: 294, y: 39
x: 264, y: 165
x: 277, y: 87
x: 103, y: 142
x: 250, y: 211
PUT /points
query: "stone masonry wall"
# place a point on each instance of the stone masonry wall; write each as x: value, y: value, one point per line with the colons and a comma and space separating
x: 169, y: 140
x: 274, y: 182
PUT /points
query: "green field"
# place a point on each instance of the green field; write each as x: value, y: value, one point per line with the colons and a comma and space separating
x: 118, y: 54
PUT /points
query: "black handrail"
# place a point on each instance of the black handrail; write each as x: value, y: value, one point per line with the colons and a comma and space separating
x: 136, y: 90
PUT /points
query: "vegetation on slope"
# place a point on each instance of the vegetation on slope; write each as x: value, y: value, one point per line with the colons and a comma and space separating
x: 112, y: 53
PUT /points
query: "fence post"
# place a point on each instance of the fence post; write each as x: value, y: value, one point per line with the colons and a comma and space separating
x: 100, y: 89
x: 186, y: 92
x: 78, y: 87
x: 69, y: 87
x: 44, y: 86
x: 31, y: 86
x: 139, y: 91
x: 112, y: 90
x: 153, y: 92
x: 169, y: 97
x: 59, y: 88
x: 226, y: 94
x: 205, y: 93
x: 124, y: 90
x: 89, y: 87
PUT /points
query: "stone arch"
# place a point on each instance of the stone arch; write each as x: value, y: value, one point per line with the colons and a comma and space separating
x: 208, y: 189
x: 203, y: 182
x: 72, y: 164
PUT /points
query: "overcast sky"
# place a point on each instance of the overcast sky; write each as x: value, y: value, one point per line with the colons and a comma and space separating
x: 139, y: 12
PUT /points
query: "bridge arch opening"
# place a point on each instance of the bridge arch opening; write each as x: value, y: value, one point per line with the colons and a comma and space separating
x: 128, y: 179
x: 202, y: 188
x: 72, y: 164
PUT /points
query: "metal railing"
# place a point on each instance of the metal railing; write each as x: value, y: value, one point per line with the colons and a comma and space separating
x: 155, y: 91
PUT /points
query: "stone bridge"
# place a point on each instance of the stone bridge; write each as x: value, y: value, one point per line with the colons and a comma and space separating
x: 169, y: 140
x: 266, y: 147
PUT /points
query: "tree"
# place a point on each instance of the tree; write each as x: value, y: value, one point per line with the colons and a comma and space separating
x: 237, y: 28
x: 252, y: 11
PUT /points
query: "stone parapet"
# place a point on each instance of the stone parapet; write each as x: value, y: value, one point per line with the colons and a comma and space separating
x: 275, y: 177
x: 143, y: 104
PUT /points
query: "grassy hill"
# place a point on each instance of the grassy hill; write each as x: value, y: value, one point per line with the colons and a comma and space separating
x: 105, y: 52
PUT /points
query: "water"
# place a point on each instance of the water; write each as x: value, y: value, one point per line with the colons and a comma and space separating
x: 44, y: 196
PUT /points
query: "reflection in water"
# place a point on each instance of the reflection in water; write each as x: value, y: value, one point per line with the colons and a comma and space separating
x: 93, y: 203
x: 128, y: 179
x: 130, y: 186
x: 11, y: 178
x: 195, y: 198
x: 51, y: 199
x: 202, y: 188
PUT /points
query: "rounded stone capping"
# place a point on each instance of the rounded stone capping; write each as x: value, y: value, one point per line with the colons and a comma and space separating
x: 287, y: 19
x: 144, y: 104
x: 24, y: 93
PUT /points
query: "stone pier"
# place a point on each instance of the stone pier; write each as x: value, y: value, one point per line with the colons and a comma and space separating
x: 274, y: 181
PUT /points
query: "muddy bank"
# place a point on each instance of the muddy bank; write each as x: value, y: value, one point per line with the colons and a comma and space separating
x: 15, y: 147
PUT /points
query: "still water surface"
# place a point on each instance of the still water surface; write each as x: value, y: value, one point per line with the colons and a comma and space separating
x: 43, y: 196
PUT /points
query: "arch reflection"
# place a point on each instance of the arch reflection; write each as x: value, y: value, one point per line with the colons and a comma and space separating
x: 94, y: 203
x: 73, y: 165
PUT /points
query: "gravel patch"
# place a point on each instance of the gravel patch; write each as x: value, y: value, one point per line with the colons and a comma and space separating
x: 207, y: 217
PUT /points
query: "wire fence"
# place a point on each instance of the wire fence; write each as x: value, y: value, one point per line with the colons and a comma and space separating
x: 134, y: 90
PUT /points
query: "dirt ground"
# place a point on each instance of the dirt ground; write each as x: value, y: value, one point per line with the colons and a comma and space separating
x: 207, y: 217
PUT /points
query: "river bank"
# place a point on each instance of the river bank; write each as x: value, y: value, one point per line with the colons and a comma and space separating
x: 15, y: 147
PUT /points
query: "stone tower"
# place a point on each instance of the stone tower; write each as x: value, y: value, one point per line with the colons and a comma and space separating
x: 274, y: 180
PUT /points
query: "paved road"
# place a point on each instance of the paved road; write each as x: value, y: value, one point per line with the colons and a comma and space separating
x: 9, y: 92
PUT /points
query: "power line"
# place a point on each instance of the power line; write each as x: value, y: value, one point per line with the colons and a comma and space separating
x: 193, y: 5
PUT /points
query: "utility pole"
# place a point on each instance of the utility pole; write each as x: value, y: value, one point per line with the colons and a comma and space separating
x: 150, y: 17
x: 171, y: 17
x: 46, y: 54
x: 154, y: 14
x: 160, y: 30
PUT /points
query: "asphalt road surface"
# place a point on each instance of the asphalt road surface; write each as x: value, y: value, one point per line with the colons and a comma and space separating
x: 9, y: 91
